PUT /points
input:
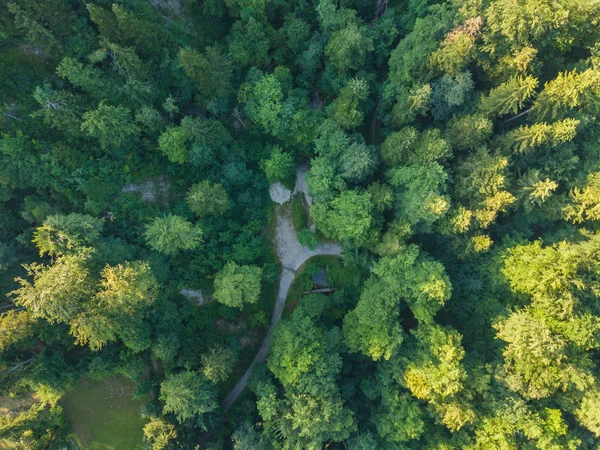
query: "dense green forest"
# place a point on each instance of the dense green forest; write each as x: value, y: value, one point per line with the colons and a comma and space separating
x: 452, y: 150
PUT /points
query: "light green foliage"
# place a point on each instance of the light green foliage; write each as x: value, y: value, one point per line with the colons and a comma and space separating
x: 345, y: 109
x: 347, y: 216
x: 218, y: 363
x: 61, y: 234
x: 126, y: 291
x: 530, y: 22
x: 322, y: 181
x: 538, y: 345
x: 264, y: 101
x: 158, y: 433
x: 585, y: 202
x: 529, y: 138
x: 297, y: 345
x: 306, y: 419
x: 399, y: 418
x: 468, y: 132
x: 125, y: 288
x: 588, y: 412
x: 421, y: 281
x: 373, y: 327
x: 173, y: 144
x: 16, y: 329
x: 206, y: 199
x: 58, y: 291
x: 568, y: 91
x: 111, y: 125
x: 436, y: 372
x: 84, y: 77
x: 419, y: 192
x: 348, y: 47
x: 457, y: 49
x: 188, y: 395
x: 98, y: 311
x: 509, y: 97
x: 329, y: 15
x: 453, y: 153
x: 408, y: 146
x: 331, y: 141
x: 480, y: 185
x: 533, y: 190
x: 237, y: 285
x: 307, y: 362
x: 398, y: 144
x: 357, y: 162
x: 279, y: 166
x: 534, y: 358
x: 409, y: 60
x: 171, y: 234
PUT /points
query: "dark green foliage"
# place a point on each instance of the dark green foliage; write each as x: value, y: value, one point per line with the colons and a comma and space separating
x: 210, y: 71
x: 299, y: 212
x: 205, y: 199
x: 452, y: 150
x: 308, y: 239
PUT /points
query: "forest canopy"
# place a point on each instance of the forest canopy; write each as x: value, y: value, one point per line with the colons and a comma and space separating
x: 450, y: 149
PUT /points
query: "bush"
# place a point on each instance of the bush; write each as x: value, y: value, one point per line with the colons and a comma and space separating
x: 308, y: 239
x: 299, y: 214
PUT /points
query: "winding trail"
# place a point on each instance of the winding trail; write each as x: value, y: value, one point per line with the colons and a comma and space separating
x: 291, y: 255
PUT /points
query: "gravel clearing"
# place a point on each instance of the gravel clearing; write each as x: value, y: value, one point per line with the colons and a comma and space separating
x: 279, y: 193
x: 301, y: 184
x: 149, y: 191
x: 194, y: 296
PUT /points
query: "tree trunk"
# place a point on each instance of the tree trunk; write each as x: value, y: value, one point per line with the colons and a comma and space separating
x: 20, y: 364
x: 519, y: 115
x: 321, y: 291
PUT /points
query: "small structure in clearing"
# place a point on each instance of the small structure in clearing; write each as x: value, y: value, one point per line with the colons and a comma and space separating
x: 320, y: 279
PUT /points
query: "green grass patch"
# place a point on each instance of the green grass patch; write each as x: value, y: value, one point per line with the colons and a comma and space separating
x: 104, y: 415
x: 339, y: 276
x: 299, y: 212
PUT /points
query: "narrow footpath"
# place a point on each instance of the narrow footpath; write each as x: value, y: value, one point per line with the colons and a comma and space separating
x: 291, y: 256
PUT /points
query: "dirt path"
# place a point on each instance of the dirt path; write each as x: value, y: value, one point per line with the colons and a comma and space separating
x: 291, y: 255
